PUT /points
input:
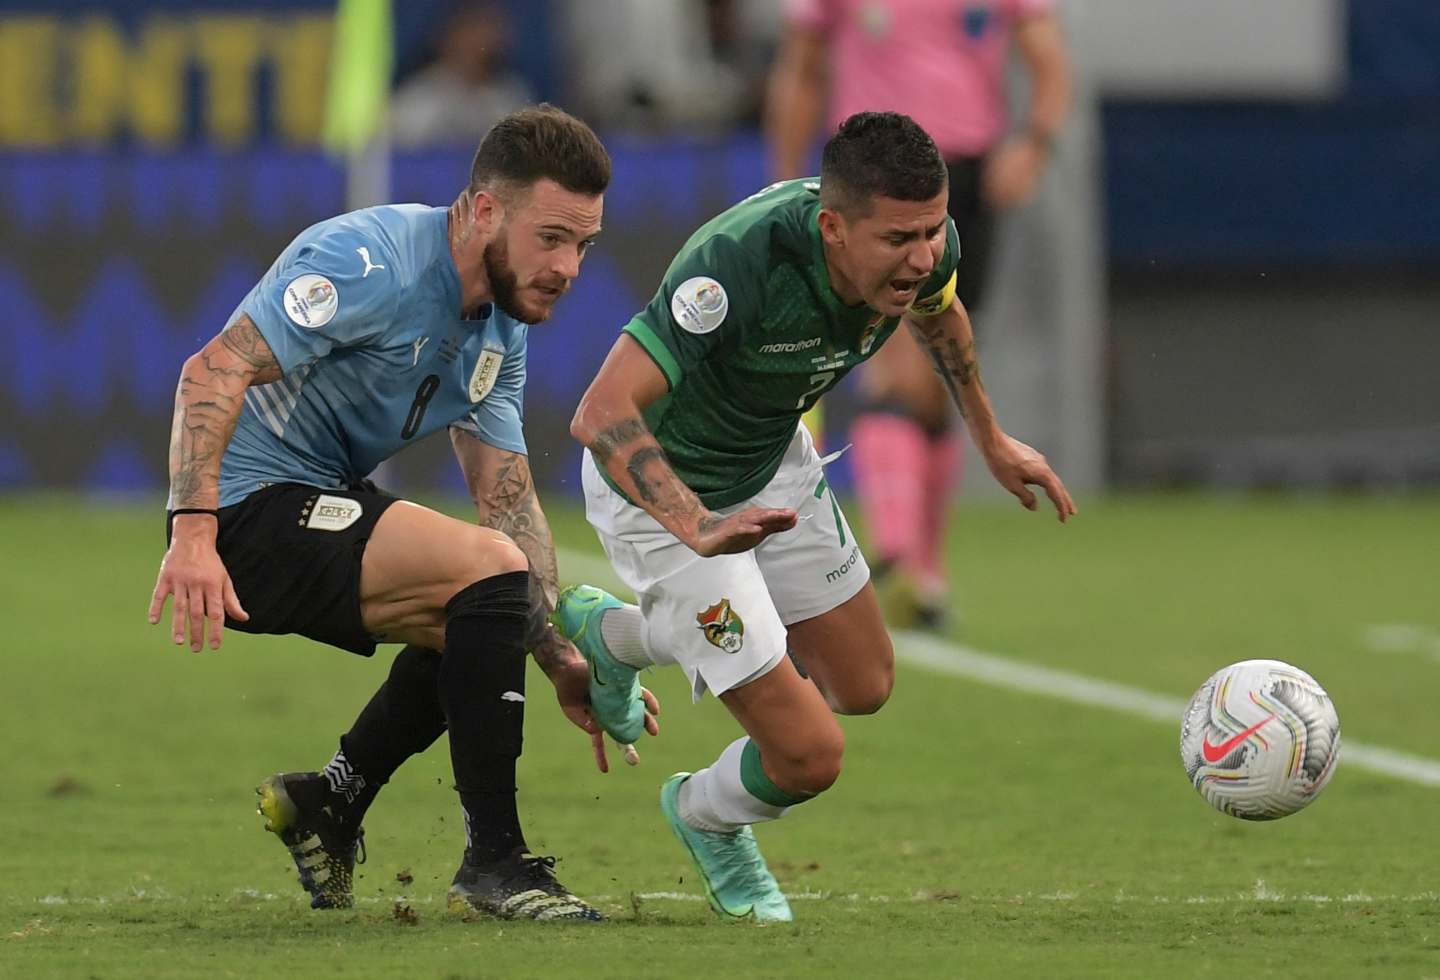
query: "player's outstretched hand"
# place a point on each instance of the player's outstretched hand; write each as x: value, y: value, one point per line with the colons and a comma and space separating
x: 652, y: 727
x: 572, y: 690
x: 741, y: 531
x: 632, y: 755
x: 194, y: 574
x: 1019, y: 467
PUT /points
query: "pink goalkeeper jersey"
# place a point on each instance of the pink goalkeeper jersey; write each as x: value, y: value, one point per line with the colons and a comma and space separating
x: 941, y: 62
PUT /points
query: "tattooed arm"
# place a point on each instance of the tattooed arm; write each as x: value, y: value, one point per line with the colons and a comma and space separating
x: 504, y: 495
x: 949, y: 341
x: 610, y: 422
x: 207, y: 405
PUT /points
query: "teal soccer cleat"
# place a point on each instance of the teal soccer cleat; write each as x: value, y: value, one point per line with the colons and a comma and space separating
x: 614, y: 686
x: 737, y: 882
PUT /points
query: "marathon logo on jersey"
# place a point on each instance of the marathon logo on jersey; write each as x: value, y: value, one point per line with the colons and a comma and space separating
x: 311, y: 300
x: 327, y: 513
x: 487, y: 369
x: 791, y: 348
x: 722, y: 626
x: 699, y: 305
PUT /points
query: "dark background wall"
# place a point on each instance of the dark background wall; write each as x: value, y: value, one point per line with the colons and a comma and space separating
x: 1273, y: 300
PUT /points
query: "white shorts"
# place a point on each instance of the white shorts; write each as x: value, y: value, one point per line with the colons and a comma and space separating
x: 723, y: 619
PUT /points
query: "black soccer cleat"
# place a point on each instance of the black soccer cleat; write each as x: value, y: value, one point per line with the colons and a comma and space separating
x: 517, y: 886
x: 323, y: 849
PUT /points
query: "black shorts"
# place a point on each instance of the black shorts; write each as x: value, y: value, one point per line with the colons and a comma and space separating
x: 293, y: 553
x: 975, y: 221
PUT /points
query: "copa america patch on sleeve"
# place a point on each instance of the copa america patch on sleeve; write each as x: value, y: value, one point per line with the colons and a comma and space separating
x: 311, y: 300
x: 699, y: 304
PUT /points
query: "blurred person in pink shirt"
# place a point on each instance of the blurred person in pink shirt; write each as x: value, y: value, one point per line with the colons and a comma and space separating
x: 942, y: 62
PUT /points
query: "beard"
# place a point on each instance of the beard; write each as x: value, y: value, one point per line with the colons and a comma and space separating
x: 504, y: 285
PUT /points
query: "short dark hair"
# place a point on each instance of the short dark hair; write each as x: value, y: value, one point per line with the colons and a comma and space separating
x: 541, y: 142
x: 879, y: 154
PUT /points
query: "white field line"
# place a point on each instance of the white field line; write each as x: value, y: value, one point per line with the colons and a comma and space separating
x: 1402, y: 638
x: 936, y: 655
x: 1260, y: 892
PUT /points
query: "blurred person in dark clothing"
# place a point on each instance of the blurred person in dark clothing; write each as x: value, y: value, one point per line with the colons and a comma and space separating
x: 466, y: 89
x: 652, y: 64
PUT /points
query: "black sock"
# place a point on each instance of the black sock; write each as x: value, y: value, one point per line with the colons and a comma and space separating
x: 482, y: 688
x: 403, y: 718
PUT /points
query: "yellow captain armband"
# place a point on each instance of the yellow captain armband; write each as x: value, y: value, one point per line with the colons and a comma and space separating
x: 935, y: 303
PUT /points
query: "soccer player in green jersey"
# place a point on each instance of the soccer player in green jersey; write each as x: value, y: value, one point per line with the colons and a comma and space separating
x: 711, y: 500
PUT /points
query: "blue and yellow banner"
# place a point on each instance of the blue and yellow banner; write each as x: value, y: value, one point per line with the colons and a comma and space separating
x: 161, y: 75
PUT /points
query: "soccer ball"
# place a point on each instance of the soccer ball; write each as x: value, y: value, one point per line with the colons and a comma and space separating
x: 1259, y: 740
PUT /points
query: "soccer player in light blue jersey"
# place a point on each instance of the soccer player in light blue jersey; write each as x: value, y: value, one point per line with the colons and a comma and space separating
x: 370, y: 331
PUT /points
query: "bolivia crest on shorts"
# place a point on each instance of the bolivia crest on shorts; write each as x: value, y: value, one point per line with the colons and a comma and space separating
x: 722, y: 626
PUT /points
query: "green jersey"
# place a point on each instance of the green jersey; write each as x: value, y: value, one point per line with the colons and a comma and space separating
x: 749, y: 335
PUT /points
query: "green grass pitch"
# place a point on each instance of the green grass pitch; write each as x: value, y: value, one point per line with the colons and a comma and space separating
x: 976, y: 831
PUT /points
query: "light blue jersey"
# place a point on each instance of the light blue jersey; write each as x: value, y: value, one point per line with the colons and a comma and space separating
x: 362, y: 311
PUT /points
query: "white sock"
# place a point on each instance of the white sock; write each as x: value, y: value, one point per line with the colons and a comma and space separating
x: 715, y: 798
x: 623, y: 630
